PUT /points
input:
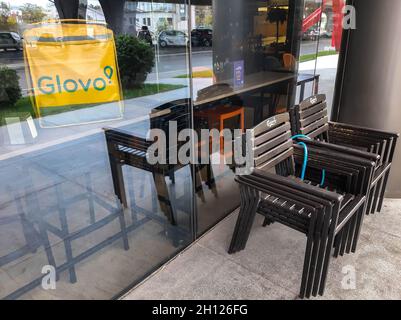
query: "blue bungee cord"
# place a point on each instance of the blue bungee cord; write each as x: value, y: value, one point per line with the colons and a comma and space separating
x: 305, y: 162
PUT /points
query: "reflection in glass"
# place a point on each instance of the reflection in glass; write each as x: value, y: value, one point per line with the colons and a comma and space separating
x: 72, y: 67
x: 248, y: 75
x: 83, y: 198
x: 58, y: 202
x: 322, y: 32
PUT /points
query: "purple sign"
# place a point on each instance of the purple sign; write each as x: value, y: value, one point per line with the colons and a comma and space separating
x: 238, y: 73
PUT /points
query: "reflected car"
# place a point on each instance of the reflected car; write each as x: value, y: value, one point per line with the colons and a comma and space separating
x: 201, y: 37
x: 10, y: 40
x: 326, y: 34
x: 311, y: 35
x: 172, y: 38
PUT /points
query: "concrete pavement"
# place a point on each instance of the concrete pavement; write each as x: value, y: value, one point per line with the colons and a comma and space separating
x: 271, y: 264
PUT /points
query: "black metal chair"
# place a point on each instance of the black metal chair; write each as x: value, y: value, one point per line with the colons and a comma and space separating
x: 355, y: 170
x: 310, y: 118
x: 329, y: 217
x: 127, y: 149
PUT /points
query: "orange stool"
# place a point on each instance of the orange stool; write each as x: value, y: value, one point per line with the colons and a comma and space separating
x: 217, y: 116
x: 289, y: 61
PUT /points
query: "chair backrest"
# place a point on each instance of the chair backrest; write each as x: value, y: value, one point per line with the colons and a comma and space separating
x: 177, y: 111
x: 120, y: 142
x: 272, y: 143
x: 164, y: 116
x: 310, y: 116
x: 124, y: 145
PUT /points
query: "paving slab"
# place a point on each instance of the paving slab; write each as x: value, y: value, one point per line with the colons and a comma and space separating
x: 270, y: 266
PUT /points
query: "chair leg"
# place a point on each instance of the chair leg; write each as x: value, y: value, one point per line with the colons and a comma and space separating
x: 172, y: 177
x: 370, y: 200
x: 267, y: 222
x: 118, y: 181
x: 383, y: 190
x: 315, y: 255
x: 377, y: 195
x: 155, y: 200
x: 337, y: 244
x: 197, y: 179
x: 164, y: 197
x: 307, y: 259
x: 255, y: 199
x: 241, y: 220
x: 211, y: 180
x: 344, y: 238
x: 352, y: 230
x: 244, y: 218
x: 327, y: 257
x: 358, y: 226
x: 142, y: 189
x: 208, y: 177
x: 322, y: 250
x: 123, y: 227
x: 132, y: 197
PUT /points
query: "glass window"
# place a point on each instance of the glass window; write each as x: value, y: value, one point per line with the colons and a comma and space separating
x: 244, y: 70
x: 79, y: 201
x: 322, y: 32
x: 311, y: 25
x: 109, y: 160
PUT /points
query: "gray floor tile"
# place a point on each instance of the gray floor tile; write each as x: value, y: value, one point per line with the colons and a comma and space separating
x: 270, y: 266
x: 200, y: 273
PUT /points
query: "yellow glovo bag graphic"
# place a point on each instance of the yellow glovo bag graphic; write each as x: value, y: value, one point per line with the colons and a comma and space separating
x: 73, y: 70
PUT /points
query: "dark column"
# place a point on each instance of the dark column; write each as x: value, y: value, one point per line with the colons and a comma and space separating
x: 83, y: 6
x: 71, y: 9
x: 369, y: 77
x: 67, y: 9
x: 114, y: 13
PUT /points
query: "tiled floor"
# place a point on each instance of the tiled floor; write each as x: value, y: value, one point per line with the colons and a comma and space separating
x: 270, y: 266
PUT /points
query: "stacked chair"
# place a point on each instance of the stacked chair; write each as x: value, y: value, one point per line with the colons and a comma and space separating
x: 127, y: 149
x: 124, y: 148
x: 328, y: 211
x: 310, y: 118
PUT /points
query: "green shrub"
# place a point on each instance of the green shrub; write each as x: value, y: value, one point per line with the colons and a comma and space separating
x: 135, y: 59
x: 10, y: 91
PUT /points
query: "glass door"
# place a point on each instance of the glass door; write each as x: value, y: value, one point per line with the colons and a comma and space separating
x: 83, y: 213
x: 244, y: 66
